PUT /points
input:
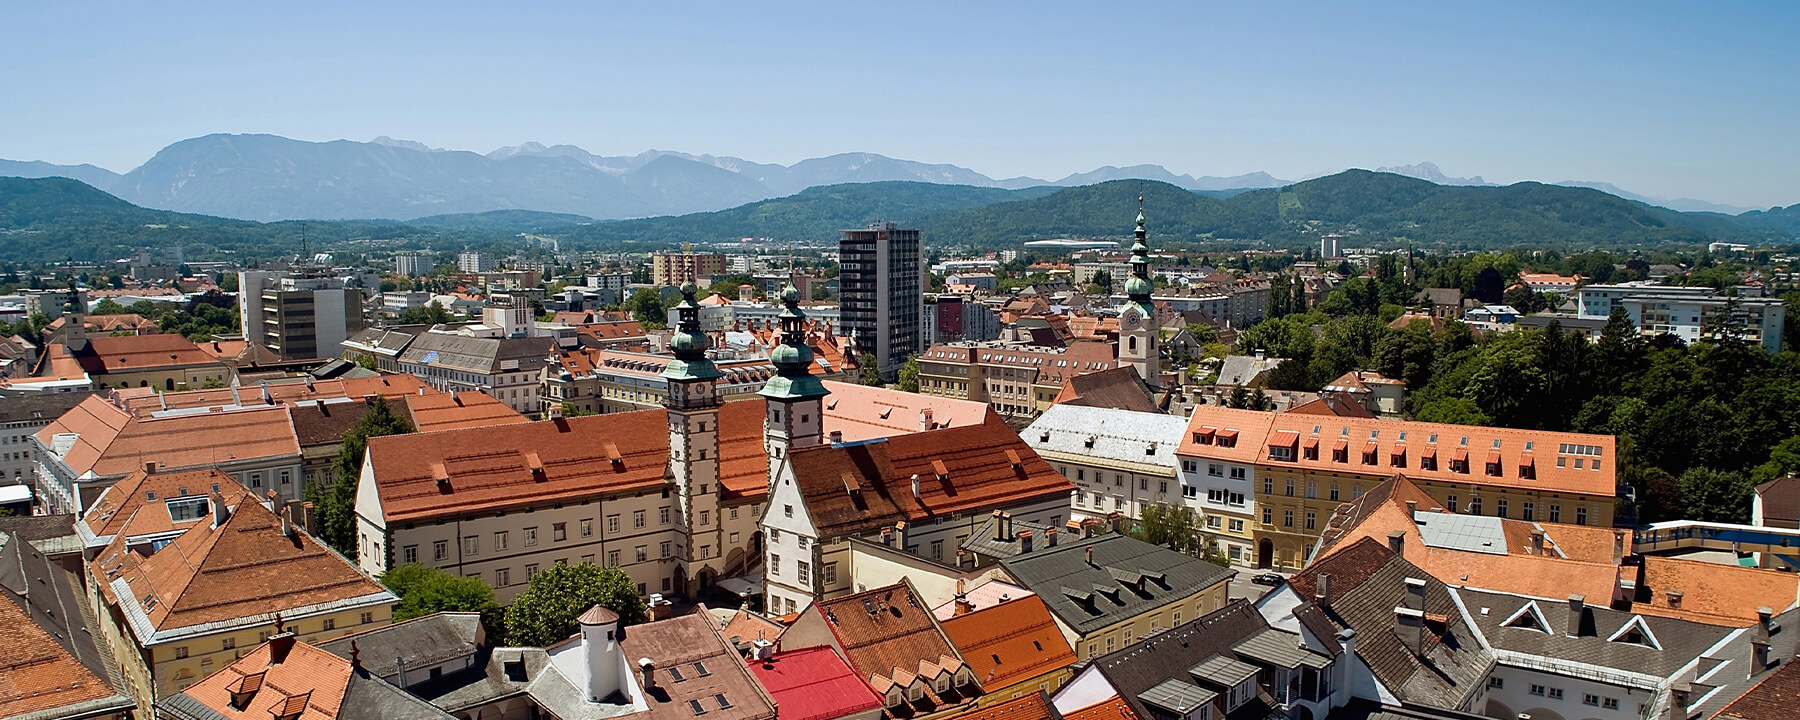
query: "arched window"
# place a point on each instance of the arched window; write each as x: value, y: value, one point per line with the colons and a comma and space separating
x: 1132, y: 343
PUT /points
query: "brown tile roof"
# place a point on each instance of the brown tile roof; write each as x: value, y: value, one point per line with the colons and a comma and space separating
x: 862, y: 412
x: 36, y: 673
x: 1257, y: 429
x: 856, y: 486
x: 1713, y: 593
x: 1032, y: 706
x: 447, y: 411
x: 302, y: 675
x: 709, y: 664
x: 128, y: 322
x: 1118, y: 388
x: 1009, y: 643
x: 134, y: 353
x: 1774, y: 698
x: 243, y: 569
x: 290, y: 393
x: 1113, y: 708
x: 1333, y: 405
x: 118, y: 505
x: 746, y: 627
x: 1780, y: 499
x: 113, y: 442
x: 890, y: 637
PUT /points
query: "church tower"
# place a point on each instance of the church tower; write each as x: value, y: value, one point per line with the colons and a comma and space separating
x: 693, y: 409
x: 1139, y: 337
x: 794, y: 417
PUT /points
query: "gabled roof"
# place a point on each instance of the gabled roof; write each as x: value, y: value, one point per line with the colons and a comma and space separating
x: 420, y: 642
x: 1030, y: 706
x: 1332, y: 404
x: 1126, y: 578
x: 49, y: 657
x: 744, y: 628
x: 137, y: 353
x: 711, y: 669
x: 813, y: 684
x: 150, y: 492
x: 112, y: 442
x: 286, y: 678
x: 1009, y: 643
x: 214, y: 576
x: 1162, y: 665
x: 856, y: 486
x: 1140, y: 438
x: 863, y: 412
x: 1711, y: 592
x: 890, y: 637
x: 1119, y: 388
x: 1678, y: 642
x: 1113, y: 708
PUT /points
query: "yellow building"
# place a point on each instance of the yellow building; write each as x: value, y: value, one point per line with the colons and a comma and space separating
x: 1300, y: 466
x: 1014, y: 646
x: 187, y: 571
x: 164, y: 362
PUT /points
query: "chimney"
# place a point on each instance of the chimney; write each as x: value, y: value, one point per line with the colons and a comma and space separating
x: 1759, y: 640
x: 555, y: 412
x: 1412, y: 508
x: 355, y: 657
x: 1397, y: 542
x: 280, y: 644
x: 999, y: 527
x: 925, y: 420
x: 1618, y: 546
x: 287, y: 523
x: 963, y: 606
x: 1024, y: 541
x: 1090, y: 555
x: 1322, y: 588
x: 648, y: 669
x: 1415, y: 594
x: 1347, y: 639
x: 900, y: 535
x: 1410, y: 626
x: 1577, y: 608
x: 837, y: 437
x: 915, y: 486
x: 1537, y: 542
x: 220, y: 512
x: 1050, y: 537
x: 1117, y: 520
x: 400, y: 672
x: 1006, y: 528
x: 150, y: 468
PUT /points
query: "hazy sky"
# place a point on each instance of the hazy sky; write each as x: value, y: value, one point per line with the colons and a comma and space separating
x: 1694, y: 99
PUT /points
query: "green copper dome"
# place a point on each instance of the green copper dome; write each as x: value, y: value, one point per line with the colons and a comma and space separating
x: 688, y: 342
x: 1138, y: 286
x: 793, y: 358
x: 790, y: 294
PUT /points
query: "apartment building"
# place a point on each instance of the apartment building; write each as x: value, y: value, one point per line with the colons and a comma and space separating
x: 669, y: 269
x: 1120, y: 461
x: 1301, y: 466
x: 1017, y: 380
x: 22, y: 417
x: 475, y: 262
x: 882, y: 292
x: 1691, y: 313
x: 302, y: 313
x: 507, y: 369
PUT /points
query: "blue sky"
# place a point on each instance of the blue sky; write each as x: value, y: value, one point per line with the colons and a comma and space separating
x: 1666, y: 99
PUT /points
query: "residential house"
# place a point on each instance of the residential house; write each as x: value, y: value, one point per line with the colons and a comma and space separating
x: 1110, y: 590
x: 21, y: 417
x: 889, y: 636
x: 417, y: 655
x: 1381, y: 395
x: 1014, y: 647
x: 506, y: 368
x: 51, y: 664
x: 287, y: 679
x: 1120, y: 461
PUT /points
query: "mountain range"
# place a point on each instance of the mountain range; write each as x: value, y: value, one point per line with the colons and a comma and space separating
x: 271, y: 178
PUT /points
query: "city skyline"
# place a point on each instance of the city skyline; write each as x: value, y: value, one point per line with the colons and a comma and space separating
x: 1660, y: 99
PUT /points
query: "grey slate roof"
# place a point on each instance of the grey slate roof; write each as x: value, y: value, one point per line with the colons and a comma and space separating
x: 1061, y: 576
x: 420, y: 642
x: 1122, y: 435
x: 1245, y: 369
x: 1681, y: 640
x: 53, y: 599
x: 1467, y: 533
x: 45, y: 407
x: 986, y: 541
x: 1171, y: 657
x: 478, y: 355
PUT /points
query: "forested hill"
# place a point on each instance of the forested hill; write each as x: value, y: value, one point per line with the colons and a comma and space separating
x: 1370, y: 207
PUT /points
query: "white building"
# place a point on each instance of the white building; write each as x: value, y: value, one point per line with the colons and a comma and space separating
x: 475, y: 262
x: 1688, y: 312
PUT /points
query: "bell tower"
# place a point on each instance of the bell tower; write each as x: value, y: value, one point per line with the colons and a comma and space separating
x: 693, y: 409
x: 794, y: 414
x: 1139, y: 337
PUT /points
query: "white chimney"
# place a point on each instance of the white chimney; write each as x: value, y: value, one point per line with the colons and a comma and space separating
x: 915, y: 486
x: 600, y: 640
x: 762, y: 650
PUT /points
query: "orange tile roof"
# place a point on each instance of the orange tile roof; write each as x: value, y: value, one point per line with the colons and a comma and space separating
x: 1009, y: 643
x: 243, y: 570
x: 854, y: 487
x: 1256, y: 429
x: 863, y: 412
x: 36, y: 673
x: 118, y: 505
x: 57, y: 362
x: 388, y: 386
x: 1031, y: 706
x: 446, y: 411
x: 746, y: 627
x: 1714, y: 593
x: 112, y: 442
x: 134, y: 353
x: 280, y: 671
x: 607, y: 330
x: 1113, y: 708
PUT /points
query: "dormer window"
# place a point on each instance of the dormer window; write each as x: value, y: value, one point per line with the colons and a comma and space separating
x: 1529, y: 617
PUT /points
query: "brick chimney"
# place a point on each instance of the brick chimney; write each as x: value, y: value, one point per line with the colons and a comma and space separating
x: 925, y: 420
x: 1050, y: 537
x: 1537, y: 542
x: 1415, y: 594
x: 1024, y: 541
x: 1577, y: 608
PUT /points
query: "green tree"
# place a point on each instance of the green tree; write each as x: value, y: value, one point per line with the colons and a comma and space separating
x: 909, y: 374
x: 1715, y: 495
x: 1176, y: 526
x: 336, y: 503
x: 545, y: 613
x: 426, y: 590
x: 646, y: 307
x: 1455, y: 410
x: 1240, y: 398
x: 429, y: 314
x: 109, y: 306
x: 570, y: 410
x: 1203, y: 333
x: 1784, y: 460
x: 871, y: 374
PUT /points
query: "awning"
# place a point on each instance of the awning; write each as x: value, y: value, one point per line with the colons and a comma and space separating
x: 1227, y: 434
x: 1459, y: 454
x: 1341, y: 446
x: 1371, y: 448
x: 1284, y: 438
x: 1399, y: 449
x: 1430, y: 451
x: 1493, y: 457
x: 1312, y: 443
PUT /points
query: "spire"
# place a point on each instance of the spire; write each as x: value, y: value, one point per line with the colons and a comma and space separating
x: 793, y: 358
x: 689, y: 342
x: 1139, y: 287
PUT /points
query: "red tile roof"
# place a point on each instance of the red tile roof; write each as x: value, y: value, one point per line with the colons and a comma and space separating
x: 302, y: 675
x: 687, y: 642
x: 1009, y: 643
x: 1113, y: 708
x: 36, y: 673
x: 135, y: 353
x: 118, y: 505
x: 1031, y: 706
x: 447, y: 411
x: 1257, y: 428
x: 896, y: 642
x: 813, y: 684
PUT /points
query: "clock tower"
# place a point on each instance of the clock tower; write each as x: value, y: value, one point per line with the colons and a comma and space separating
x: 693, y: 408
x: 1140, y: 339
x: 794, y: 411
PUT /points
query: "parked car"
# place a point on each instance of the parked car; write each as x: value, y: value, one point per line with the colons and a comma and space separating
x: 1270, y: 579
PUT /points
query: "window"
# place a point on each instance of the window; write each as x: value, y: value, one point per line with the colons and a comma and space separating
x: 662, y: 515
x: 1500, y: 507
x: 180, y: 652
x: 587, y: 527
x: 1496, y: 683
x: 1529, y: 513
x: 1268, y: 516
x: 612, y: 524
x: 1237, y: 526
x: 1334, y: 491
x: 531, y: 571
x: 803, y: 571
x: 1268, y: 486
x: 471, y: 544
x: 409, y: 554
x: 530, y: 536
x: 1555, y: 513
x: 500, y: 541
x: 937, y: 549
x: 1609, y: 703
x: 1537, y: 690
x: 1163, y: 487
x: 774, y: 564
x: 559, y: 532
x: 643, y: 553
x: 1144, y: 484
x: 440, y: 549
x: 705, y: 518
x: 1474, y: 506
x: 1237, y: 473
x: 787, y: 510
x: 1287, y: 518
x: 1284, y: 454
x: 637, y: 519
x: 734, y: 513
x: 828, y: 573
x: 1590, y: 699
x: 230, y: 643
x: 1312, y: 490
x: 1311, y: 520
x: 1450, y: 503
x: 801, y: 541
x: 502, y: 577
x: 1556, y: 693
x: 1580, y: 516
x: 663, y: 548
x: 1290, y: 488
x: 1355, y: 491
x: 612, y: 558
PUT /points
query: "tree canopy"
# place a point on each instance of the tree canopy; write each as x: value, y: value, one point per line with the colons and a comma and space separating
x: 426, y: 590
x: 545, y: 613
x: 335, y: 504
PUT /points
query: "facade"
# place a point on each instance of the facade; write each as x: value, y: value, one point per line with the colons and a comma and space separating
x: 475, y: 262
x: 1085, y: 272
x: 669, y: 269
x: 1691, y: 313
x: 299, y: 314
x: 1017, y: 380
x: 1109, y: 591
x: 881, y: 292
x: 1301, y: 466
x: 596, y: 380
x: 412, y: 264
x: 1120, y: 461
x: 21, y: 418
x: 507, y: 369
